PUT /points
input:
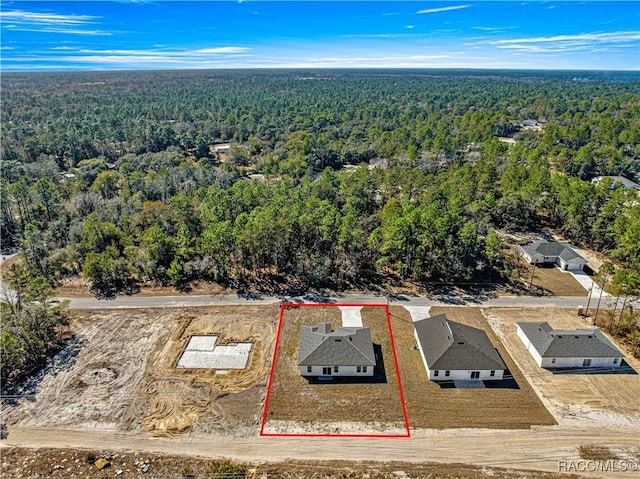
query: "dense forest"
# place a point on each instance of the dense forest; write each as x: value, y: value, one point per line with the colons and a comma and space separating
x: 332, y: 179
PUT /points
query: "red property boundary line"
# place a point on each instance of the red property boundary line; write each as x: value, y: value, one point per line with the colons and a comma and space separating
x: 283, y: 308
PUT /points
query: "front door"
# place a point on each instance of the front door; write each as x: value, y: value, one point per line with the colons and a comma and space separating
x: 475, y: 374
x: 326, y: 371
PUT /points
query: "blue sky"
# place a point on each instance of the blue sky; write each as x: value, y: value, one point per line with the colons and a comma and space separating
x: 104, y: 35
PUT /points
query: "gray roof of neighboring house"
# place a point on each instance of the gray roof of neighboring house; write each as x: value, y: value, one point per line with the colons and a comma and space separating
x: 626, y: 182
x: 319, y: 346
x: 455, y: 346
x: 560, y: 250
x: 578, y: 343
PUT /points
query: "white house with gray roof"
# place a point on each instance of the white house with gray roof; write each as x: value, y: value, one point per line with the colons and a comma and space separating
x: 560, y: 254
x: 577, y: 348
x: 455, y: 351
x: 343, y: 352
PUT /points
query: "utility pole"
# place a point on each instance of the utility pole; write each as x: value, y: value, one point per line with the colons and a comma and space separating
x: 533, y: 270
x: 586, y: 313
x: 595, y: 318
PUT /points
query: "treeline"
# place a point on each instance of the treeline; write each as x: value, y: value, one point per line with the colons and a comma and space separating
x: 32, y: 325
x: 146, y: 198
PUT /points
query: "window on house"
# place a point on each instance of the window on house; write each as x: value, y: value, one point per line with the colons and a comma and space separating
x: 586, y: 363
x: 475, y: 374
x: 553, y: 360
x: 358, y: 369
x: 364, y: 369
x: 436, y: 373
x: 326, y: 371
x: 309, y: 369
x: 615, y: 361
x: 335, y: 369
x: 447, y: 373
x: 492, y: 373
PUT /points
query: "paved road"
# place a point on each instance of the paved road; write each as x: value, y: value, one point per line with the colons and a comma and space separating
x: 124, y: 302
x: 540, y: 449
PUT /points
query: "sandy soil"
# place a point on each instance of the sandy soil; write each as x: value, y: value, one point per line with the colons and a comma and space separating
x: 607, y: 400
x: 21, y: 462
x: 119, y: 374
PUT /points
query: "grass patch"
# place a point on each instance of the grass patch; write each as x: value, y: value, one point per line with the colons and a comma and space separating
x: 597, y: 453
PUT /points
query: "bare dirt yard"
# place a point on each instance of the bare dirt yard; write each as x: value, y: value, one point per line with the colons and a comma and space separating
x: 606, y: 398
x: 119, y: 373
x: 73, y: 463
x: 431, y: 406
x: 299, y: 406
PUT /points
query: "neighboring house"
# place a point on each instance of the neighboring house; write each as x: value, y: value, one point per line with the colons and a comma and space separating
x: 560, y: 254
x: 528, y: 123
x: 221, y: 148
x: 455, y: 351
x: 578, y: 348
x: 617, y: 180
x: 343, y: 352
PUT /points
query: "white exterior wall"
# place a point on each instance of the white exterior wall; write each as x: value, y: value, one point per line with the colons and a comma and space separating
x: 569, y: 266
x: 342, y: 371
x: 565, y: 362
x: 533, y: 351
x: 455, y: 374
x: 465, y: 375
x: 577, y: 362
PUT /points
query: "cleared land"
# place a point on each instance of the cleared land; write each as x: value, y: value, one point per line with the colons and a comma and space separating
x: 120, y: 374
x: 23, y: 462
x: 606, y: 399
x: 297, y: 405
x: 430, y: 406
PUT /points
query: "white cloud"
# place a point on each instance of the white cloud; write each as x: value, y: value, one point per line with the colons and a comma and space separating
x: 34, y: 18
x: 589, y: 37
x: 584, y: 42
x: 409, y: 27
x: 441, y: 9
x: 67, y: 31
x: 21, y: 21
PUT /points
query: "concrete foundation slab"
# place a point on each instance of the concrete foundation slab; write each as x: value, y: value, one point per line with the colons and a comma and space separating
x: 202, y: 353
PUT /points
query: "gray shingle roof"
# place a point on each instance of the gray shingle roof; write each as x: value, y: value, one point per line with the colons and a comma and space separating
x: 319, y: 346
x: 577, y: 343
x: 450, y: 345
x: 545, y: 248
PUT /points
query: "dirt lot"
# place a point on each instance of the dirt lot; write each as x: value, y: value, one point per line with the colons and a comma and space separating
x: 604, y: 399
x: 430, y: 406
x: 299, y: 406
x: 120, y: 374
x: 64, y: 463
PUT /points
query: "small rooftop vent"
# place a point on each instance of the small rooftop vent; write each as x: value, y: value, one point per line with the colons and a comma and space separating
x: 338, y: 340
x: 460, y: 342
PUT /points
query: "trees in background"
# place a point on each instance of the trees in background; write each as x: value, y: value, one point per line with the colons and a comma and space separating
x: 125, y: 187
